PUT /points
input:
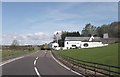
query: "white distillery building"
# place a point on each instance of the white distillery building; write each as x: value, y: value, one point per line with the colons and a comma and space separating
x: 54, y: 46
x: 82, y: 42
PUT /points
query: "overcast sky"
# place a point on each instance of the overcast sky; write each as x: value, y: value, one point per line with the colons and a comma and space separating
x: 35, y: 22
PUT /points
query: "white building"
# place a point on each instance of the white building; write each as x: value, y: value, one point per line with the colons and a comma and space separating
x: 54, y: 46
x: 82, y: 42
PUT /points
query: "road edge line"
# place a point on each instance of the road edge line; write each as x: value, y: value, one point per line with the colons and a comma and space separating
x: 11, y: 60
x: 17, y: 58
x: 65, y: 66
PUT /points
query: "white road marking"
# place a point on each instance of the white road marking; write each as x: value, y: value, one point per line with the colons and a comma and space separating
x: 37, y: 72
x: 66, y: 66
x: 11, y: 60
x: 35, y: 68
x: 60, y: 63
x: 36, y: 58
x: 35, y: 62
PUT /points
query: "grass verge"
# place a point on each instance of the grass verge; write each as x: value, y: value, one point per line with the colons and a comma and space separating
x: 14, y: 53
x: 105, y: 55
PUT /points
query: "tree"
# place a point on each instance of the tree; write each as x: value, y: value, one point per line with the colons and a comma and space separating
x: 57, y: 36
x: 99, y: 32
x: 89, y: 30
x: 15, y: 43
x: 112, y: 29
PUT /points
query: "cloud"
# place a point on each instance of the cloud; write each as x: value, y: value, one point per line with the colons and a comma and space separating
x: 40, y: 34
x: 65, y: 16
x: 26, y: 39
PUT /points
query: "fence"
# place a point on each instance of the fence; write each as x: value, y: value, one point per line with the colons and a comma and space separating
x: 89, y: 68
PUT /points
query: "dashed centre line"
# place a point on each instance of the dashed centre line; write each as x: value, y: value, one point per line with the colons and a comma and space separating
x: 35, y: 68
x: 35, y: 62
x: 36, y: 58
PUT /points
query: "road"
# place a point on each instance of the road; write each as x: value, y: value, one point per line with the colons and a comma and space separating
x: 40, y: 64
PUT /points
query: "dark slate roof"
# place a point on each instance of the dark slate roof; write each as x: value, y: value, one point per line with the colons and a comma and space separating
x: 81, y: 38
x: 76, y: 38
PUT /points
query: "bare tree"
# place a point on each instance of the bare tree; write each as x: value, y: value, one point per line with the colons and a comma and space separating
x: 57, y: 36
x: 15, y: 43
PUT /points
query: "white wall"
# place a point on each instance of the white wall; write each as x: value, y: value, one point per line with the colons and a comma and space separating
x: 54, y: 45
x: 92, y: 44
x: 80, y: 44
x: 68, y: 44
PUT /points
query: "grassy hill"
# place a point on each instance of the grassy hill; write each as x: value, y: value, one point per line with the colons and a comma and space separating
x: 105, y: 55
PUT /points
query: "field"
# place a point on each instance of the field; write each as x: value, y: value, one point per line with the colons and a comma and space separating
x: 105, y: 55
x: 13, y: 53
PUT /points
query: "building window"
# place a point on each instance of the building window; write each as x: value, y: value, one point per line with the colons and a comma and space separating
x: 85, y: 45
x: 67, y: 42
x: 55, y: 46
x: 73, y: 45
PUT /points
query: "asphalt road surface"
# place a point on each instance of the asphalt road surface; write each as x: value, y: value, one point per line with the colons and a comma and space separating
x: 39, y: 64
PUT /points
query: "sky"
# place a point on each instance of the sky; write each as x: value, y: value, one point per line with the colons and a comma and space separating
x: 35, y: 22
x: 60, y: 0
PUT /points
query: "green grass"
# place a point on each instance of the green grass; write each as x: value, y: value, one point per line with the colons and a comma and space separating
x: 105, y: 55
x: 14, y: 53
